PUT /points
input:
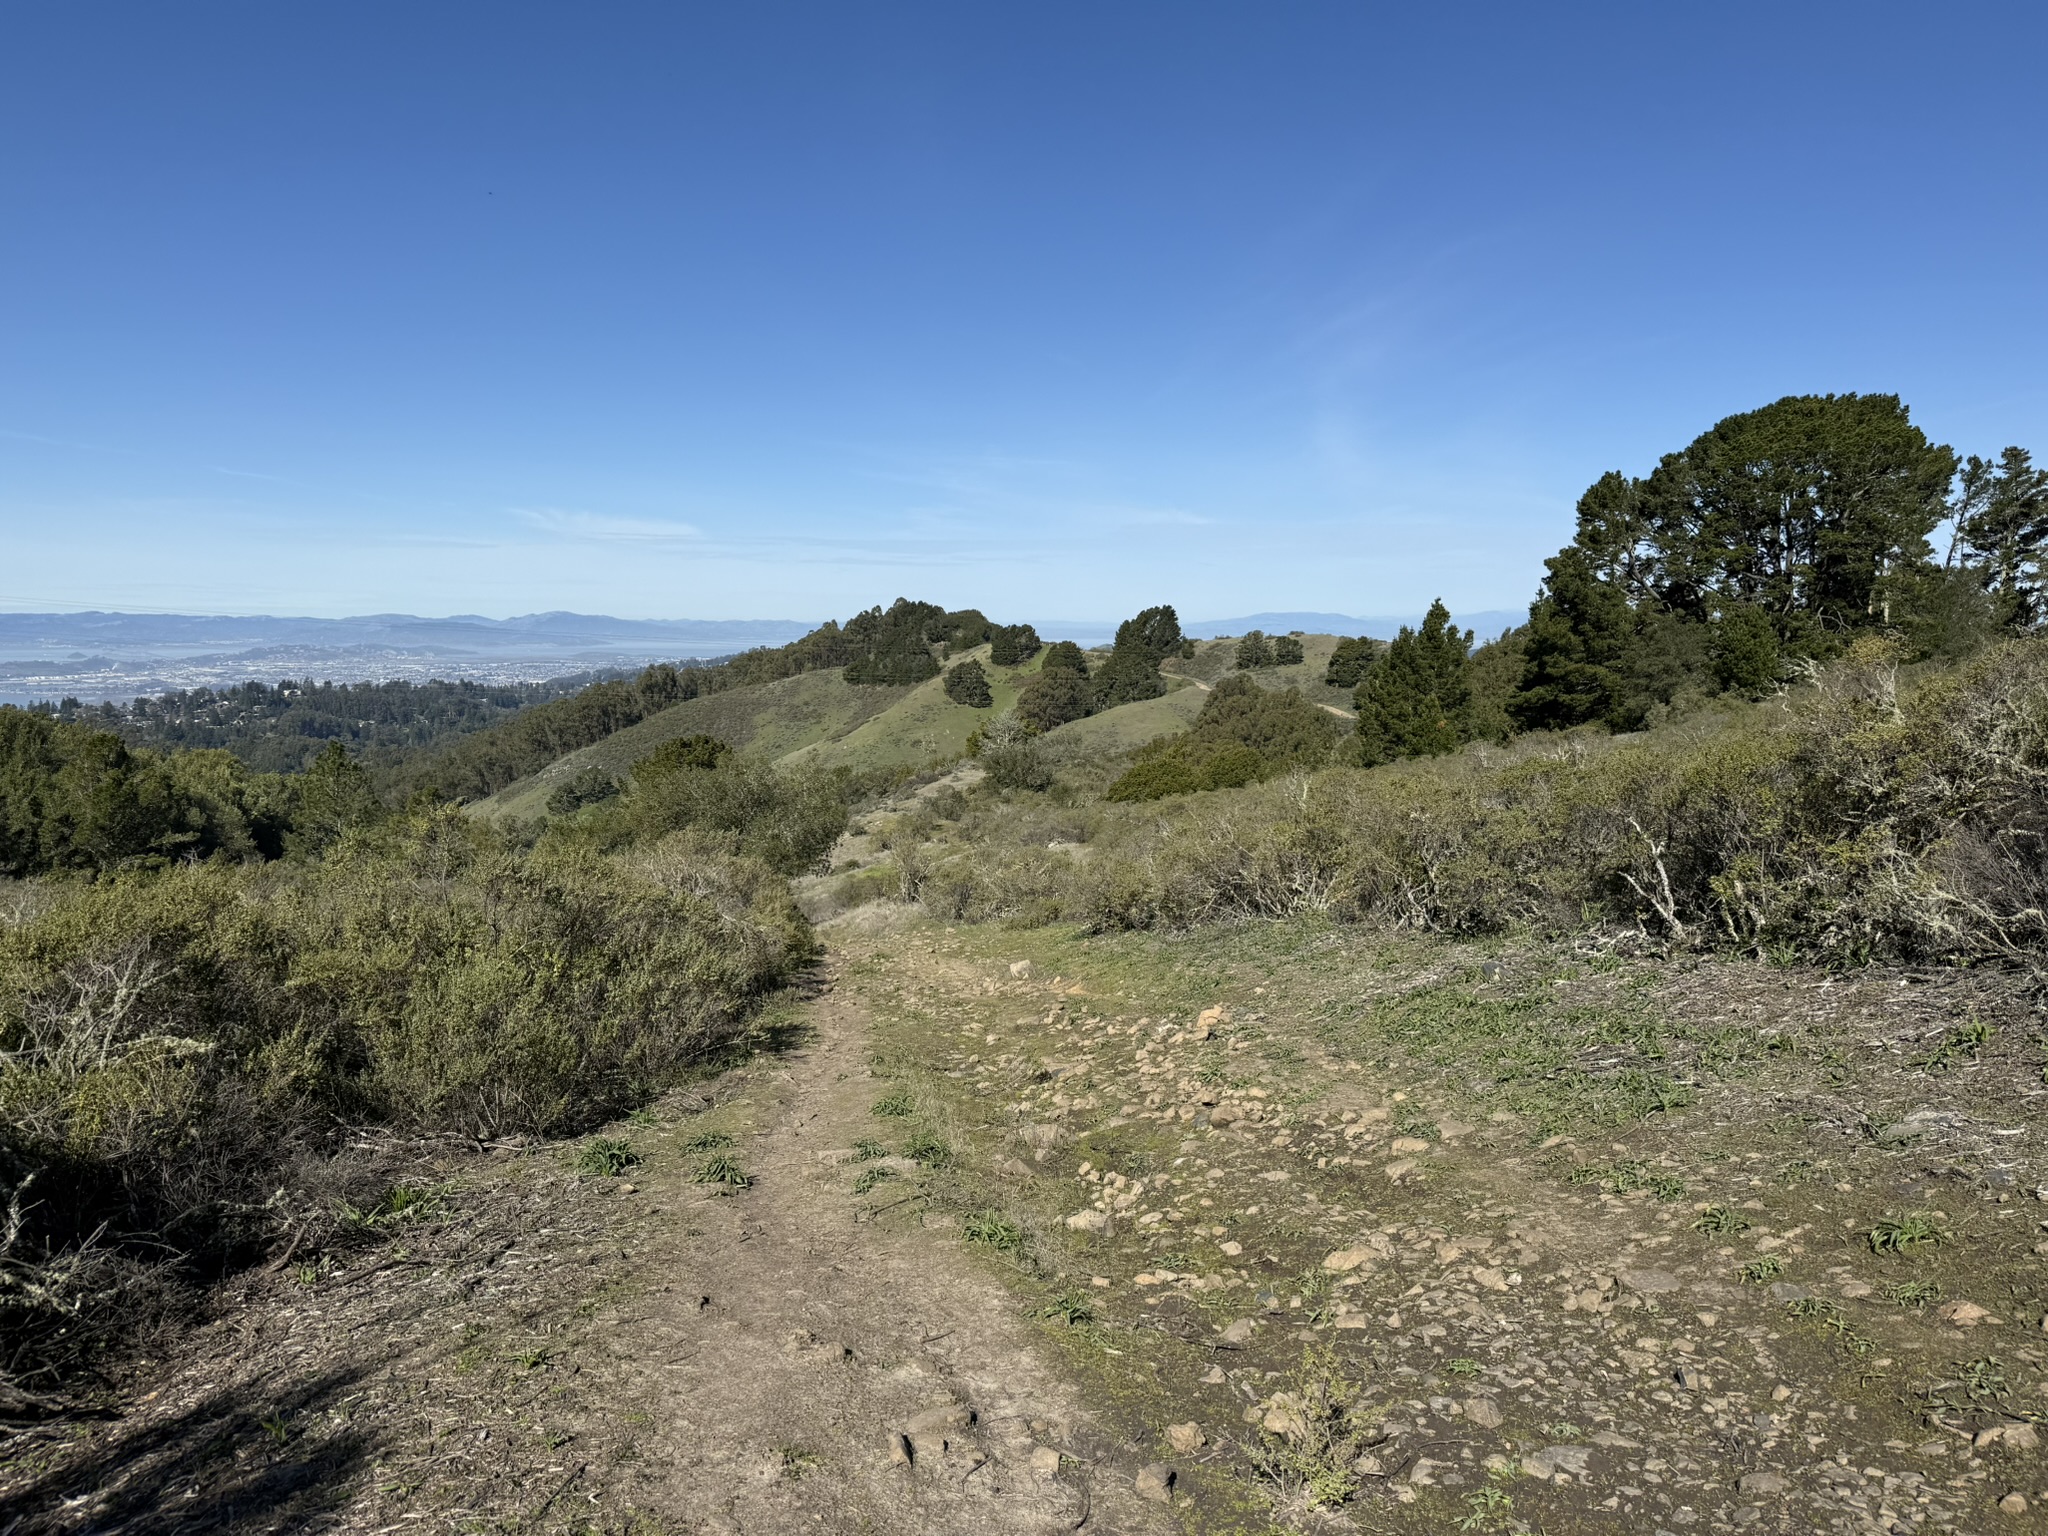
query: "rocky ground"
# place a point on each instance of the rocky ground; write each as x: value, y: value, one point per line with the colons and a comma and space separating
x: 1281, y: 1229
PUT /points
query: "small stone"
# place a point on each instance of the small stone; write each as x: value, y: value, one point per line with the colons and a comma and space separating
x: 2022, y: 1437
x: 1786, y: 1291
x: 1573, y: 1460
x: 1964, y: 1314
x: 899, y: 1450
x: 1089, y: 1221
x: 2013, y: 1504
x: 1238, y: 1333
x: 1649, y: 1282
x: 1155, y: 1482
x: 1483, y: 1411
x: 1021, y: 969
x: 1780, y: 1392
x: 1761, y: 1483
x: 1345, y: 1259
x: 1404, y: 1146
x: 1688, y: 1378
x: 1186, y: 1438
x: 936, y: 1421
x: 1489, y: 970
x: 1855, y: 1290
x: 1214, y: 1377
x: 1399, y: 1169
x: 1045, y: 1462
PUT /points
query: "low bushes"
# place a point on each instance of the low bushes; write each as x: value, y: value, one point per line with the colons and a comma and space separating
x: 1850, y: 826
x: 188, y: 1054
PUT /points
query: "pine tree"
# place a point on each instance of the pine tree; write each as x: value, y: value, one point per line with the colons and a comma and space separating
x: 1254, y: 651
x: 1053, y: 697
x: 1580, y: 629
x: 1413, y: 703
x: 1010, y: 645
x: 1287, y: 651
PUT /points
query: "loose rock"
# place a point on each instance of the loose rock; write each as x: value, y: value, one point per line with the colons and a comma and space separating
x: 1155, y: 1482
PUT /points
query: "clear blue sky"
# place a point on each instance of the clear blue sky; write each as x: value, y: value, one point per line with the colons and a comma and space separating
x: 737, y: 310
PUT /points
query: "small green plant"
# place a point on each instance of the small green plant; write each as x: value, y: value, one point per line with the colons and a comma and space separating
x: 928, y: 1149
x: 534, y: 1359
x: 1982, y: 1379
x: 1563, y: 1429
x: 277, y: 1426
x: 1903, y: 1234
x: 867, y: 1149
x: 723, y: 1169
x: 899, y: 1105
x: 605, y: 1157
x: 992, y: 1229
x: 1487, y: 1509
x: 1720, y: 1220
x: 870, y: 1177
x: 1761, y: 1271
x: 707, y: 1141
x: 1072, y: 1307
x: 794, y: 1461
x: 1814, y: 1307
x: 1626, y: 1177
x: 1912, y: 1293
x: 399, y: 1204
x: 1463, y: 1366
x: 1962, y: 1044
x: 1414, y: 1122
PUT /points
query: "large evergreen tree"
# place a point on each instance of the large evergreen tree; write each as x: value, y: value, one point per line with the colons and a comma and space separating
x: 1412, y: 704
x: 968, y: 684
x: 1351, y: 660
x: 2001, y: 522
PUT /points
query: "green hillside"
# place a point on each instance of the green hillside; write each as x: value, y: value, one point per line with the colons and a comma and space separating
x: 766, y: 720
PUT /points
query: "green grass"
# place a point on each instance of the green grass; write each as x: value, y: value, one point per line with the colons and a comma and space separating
x: 605, y: 1157
x: 707, y: 1141
x: 1720, y: 1220
x: 1905, y: 1234
x: 926, y: 1148
x: 722, y: 1168
x: 899, y: 1105
x: 992, y: 1229
x: 1761, y: 1271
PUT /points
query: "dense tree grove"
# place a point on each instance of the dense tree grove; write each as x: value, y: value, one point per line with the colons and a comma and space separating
x: 1414, y: 702
x: 1132, y: 670
x: 1011, y: 645
x: 1287, y: 651
x: 1766, y: 545
x: 1254, y: 650
x: 280, y: 728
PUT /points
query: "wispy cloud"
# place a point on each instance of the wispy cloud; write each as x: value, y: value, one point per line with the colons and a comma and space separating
x: 596, y: 525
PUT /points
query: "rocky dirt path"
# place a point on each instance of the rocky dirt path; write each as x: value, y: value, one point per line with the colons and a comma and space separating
x: 812, y: 1369
x: 1651, y: 1326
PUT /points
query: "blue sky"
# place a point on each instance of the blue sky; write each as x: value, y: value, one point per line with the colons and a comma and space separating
x: 774, y: 310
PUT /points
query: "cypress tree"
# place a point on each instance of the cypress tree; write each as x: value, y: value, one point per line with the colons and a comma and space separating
x: 968, y: 684
x: 1350, y: 661
x: 1254, y: 651
x: 1413, y: 703
x: 1580, y: 629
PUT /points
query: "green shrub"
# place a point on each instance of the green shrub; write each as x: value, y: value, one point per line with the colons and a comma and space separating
x: 1244, y: 733
x: 184, y: 1051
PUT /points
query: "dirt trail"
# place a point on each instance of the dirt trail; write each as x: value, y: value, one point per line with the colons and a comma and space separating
x: 800, y: 1339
